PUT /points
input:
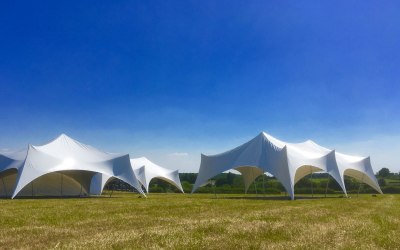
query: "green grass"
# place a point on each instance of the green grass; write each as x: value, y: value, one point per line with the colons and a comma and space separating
x: 199, y: 221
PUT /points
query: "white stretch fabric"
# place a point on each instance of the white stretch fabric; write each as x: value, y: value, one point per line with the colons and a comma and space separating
x: 74, y: 163
x: 10, y: 164
x: 288, y: 162
x: 145, y: 171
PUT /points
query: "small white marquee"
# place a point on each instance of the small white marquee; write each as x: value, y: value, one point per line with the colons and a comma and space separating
x: 145, y: 171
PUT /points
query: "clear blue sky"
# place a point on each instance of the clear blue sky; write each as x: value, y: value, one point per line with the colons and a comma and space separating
x: 172, y: 79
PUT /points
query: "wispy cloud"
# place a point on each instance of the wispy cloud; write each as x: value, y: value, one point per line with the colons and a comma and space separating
x: 179, y: 154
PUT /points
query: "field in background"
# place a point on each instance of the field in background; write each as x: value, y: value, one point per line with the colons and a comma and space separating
x: 318, y: 183
x: 201, y: 221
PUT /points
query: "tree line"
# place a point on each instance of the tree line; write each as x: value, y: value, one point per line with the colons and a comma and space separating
x: 317, y: 183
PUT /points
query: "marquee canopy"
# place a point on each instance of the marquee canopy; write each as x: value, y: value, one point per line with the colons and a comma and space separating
x: 65, y: 166
x: 146, y: 170
x: 288, y: 162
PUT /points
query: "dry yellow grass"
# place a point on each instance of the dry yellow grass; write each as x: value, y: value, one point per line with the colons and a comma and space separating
x: 182, y: 221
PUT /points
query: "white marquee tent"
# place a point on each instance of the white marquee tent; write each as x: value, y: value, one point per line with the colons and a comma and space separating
x: 288, y: 162
x: 65, y: 167
x: 145, y: 171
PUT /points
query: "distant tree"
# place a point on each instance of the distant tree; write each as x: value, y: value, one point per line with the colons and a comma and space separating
x: 189, y: 177
x: 382, y: 182
x: 384, y: 172
x: 187, y: 186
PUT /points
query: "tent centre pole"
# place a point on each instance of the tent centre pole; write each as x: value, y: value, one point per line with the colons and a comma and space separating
x: 213, y: 183
x: 326, y: 188
x: 312, y: 189
x: 61, y: 184
x: 255, y: 185
x: 359, y: 187
x: 110, y: 189
x: 264, y: 183
x: 4, y: 185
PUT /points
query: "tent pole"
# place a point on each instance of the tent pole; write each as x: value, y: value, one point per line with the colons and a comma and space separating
x: 61, y: 184
x: 326, y: 188
x: 312, y: 189
x: 112, y: 190
x: 359, y: 187
x: 264, y: 183
x: 215, y: 192
x: 255, y: 185
x: 4, y: 185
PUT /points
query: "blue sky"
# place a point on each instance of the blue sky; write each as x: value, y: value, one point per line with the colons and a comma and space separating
x: 172, y: 79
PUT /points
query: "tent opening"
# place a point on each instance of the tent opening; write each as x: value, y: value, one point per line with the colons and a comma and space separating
x: 356, y: 181
x: 303, y: 184
x: 8, y: 179
x: 60, y: 183
x: 163, y: 185
x: 304, y: 171
x: 250, y: 174
x: 115, y: 184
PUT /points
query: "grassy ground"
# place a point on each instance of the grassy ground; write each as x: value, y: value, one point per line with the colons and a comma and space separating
x: 182, y: 221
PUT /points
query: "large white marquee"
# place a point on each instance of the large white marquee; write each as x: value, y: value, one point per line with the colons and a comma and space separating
x: 61, y: 167
x: 288, y: 162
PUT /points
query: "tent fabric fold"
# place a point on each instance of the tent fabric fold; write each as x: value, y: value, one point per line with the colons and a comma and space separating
x: 288, y: 162
x: 146, y: 170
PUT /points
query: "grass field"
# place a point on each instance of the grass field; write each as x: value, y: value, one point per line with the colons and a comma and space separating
x: 199, y: 221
